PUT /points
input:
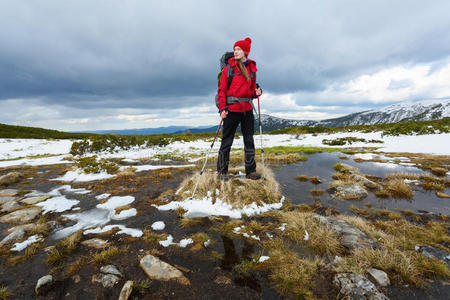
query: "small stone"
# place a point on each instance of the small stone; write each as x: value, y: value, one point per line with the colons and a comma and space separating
x: 222, y: 280
x: 10, y: 178
x: 76, y: 278
x: 379, y: 276
x: 43, y: 283
x: 355, y: 286
x: 126, y: 290
x: 110, y: 269
x: 350, y: 192
x: 8, y: 192
x: 96, y: 243
x: 160, y: 270
x: 10, y: 206
x: 35, y: 199
x: 21, y: 216
x: 107, y: 280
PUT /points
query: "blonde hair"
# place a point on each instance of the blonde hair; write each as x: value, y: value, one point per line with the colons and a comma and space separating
x: 243, y: 70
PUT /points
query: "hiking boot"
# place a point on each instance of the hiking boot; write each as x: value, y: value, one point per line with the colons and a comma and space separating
x: 223, y: 177
x: 253, y: 176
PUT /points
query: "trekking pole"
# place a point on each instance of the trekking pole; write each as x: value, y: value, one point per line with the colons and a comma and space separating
x: 260, y: 134
x: 206, y: 158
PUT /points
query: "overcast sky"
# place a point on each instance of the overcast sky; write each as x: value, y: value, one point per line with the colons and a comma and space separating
x: 92, y: 65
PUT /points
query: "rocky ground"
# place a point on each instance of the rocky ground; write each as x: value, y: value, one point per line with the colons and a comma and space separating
x: 297, y: 251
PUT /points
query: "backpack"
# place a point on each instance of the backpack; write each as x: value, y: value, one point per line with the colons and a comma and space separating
x: 230, y: 74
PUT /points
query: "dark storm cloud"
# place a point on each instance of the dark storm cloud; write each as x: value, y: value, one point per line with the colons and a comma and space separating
x: 164, y: 54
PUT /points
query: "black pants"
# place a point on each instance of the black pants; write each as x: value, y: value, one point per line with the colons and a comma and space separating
x: 230, y: 123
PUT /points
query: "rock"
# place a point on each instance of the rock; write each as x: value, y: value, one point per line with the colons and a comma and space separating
x: 349, y: 168
x: 10, y: 206
x: 354, y: 286
x: 16, y: 233
x: 35, y: 199
x: 364, y: 181
x: 96, y: 243
x: 349, y: 236
x: 7, y: 199
x: 8, y: 193
x: 10, y: 178
x: 107, y: 280
x: 379, y: 276
x: 222, y: 280
x: 43, y: 284
x: 159, y: 270
x: 350, y: 192
x: 21, y: 216
x: 110, y: 269
x: 126, y: 290
x: 432, y: 252
x: 76, y: 278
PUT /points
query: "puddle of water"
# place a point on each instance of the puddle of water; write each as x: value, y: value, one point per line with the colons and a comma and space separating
x: 321, y: 165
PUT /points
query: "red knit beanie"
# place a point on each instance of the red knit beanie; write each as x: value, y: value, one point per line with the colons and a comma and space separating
x: 244, y: 45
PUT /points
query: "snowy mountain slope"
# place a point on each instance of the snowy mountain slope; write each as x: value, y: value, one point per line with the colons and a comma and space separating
x: 399, y: 112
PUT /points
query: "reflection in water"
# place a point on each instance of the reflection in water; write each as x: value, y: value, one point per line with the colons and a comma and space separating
x: 321, y: 165
x: 231, y: 258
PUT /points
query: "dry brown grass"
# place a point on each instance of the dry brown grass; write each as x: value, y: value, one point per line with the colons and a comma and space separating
x: 190, y: 222
x: 64, y: 248
x: 397, y: 256
x: 397, y: 188
x: 438, y: 171
x: 104, y: 256
x: 121, y: 208
x: 236, y: 191
x: 153, y: 238
x: 442, y: 195
x: 317, y: 192
x: 302, y: 178
x: 127, y: 172
x: 322, y: 240
x: 432, y: 186
x: 200, y: 237
x: 409, y: 176
x: 29, y: 252
x: 315, y: 180
x: 291, y: 275
x: 375, y: 214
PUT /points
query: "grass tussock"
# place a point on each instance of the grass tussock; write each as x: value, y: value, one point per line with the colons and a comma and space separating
x: 322, y: 240
x: 153, y: 238
x: 432, y: 186
x: 75, y: 266
x: 104, y: 256
x: 409, y: 176
x: 291, y: 275
x: 200, y: 237
x: 315, y: 180
x: 236, y: 191
x: 302, y: 178
x: 438, y: 171
x: 64, y: 248
x: 317, y: 192
x: 375, y: 214
x: 190, y: 222
x: 5, y: 293
x: 442, y: 195
x: 398, y: 188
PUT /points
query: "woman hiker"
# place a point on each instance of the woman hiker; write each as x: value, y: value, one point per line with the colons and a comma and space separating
x: 235, y: 107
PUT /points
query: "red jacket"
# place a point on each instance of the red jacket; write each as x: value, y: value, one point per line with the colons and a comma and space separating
x: 239, y: 87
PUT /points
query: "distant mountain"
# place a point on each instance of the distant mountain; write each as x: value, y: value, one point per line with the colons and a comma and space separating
x: 143, y: 131
x: 400, y: 112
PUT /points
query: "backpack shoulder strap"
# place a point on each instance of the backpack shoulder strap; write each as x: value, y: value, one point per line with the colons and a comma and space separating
x: 230, y: 75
